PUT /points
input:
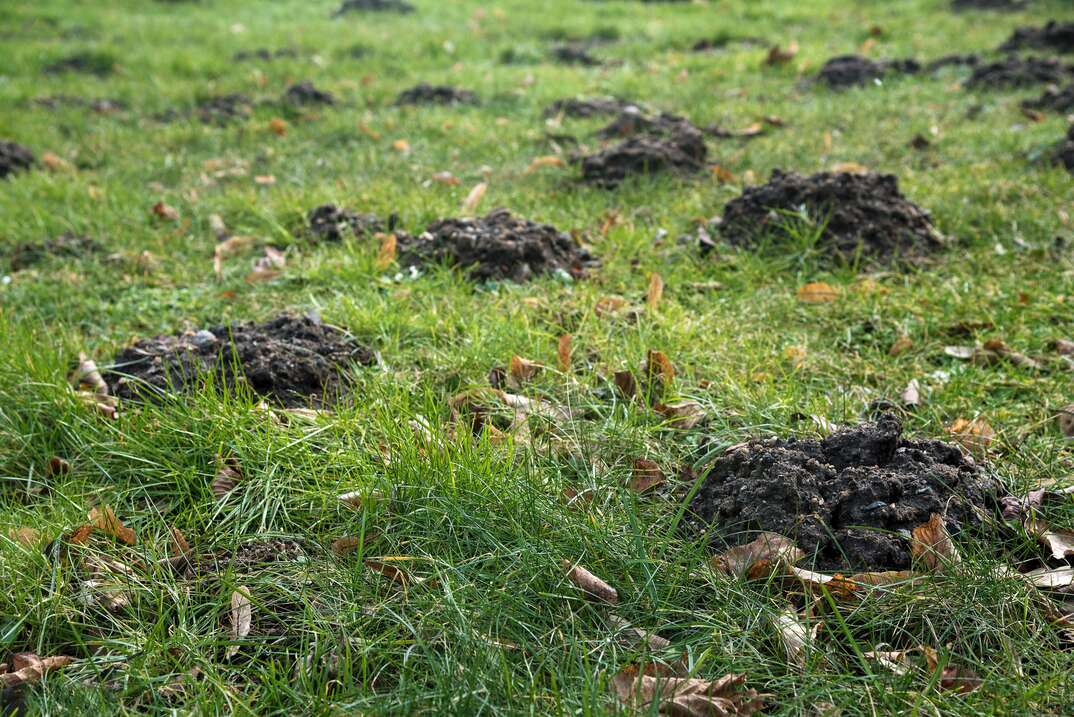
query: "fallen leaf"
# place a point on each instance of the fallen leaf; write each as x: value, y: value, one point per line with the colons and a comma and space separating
x: 229, y: 248
x: 894, y: 660
x: 911, y: 395
x: 469, y: 205
x: 779, y: 56
x: 27, y: 668
x: 686, y: 696
x: 56, y: 163
x: 446, y: 178
x: 228, y: 475
x: 964, y: 353
x: 242, y: 613
x: 1052, y: 579
x: 87, y: 376
x: 627, y: 385
x: 609, y: 305
x: 362, y: 499
x: 683, y: 414
x: 590, y: 584
x: 771, y: 547
x: 1059, y: 541
x: 57, y: 467
x: 633, y: 636
x: 1064, y: 347
x: 563, y: 353
x: 547, y: 161
x: 80, y: 535
x: 656, y: 291
x: 794, y: 636
x: 349, y: 544
x: 973, y: 435
x: 817, y: 292
x: 1065, y: 419
x: 523, y: 369
x: 401, y: 146
x: 646, y: 476
x: 105, y: 520
x: 901, y: 345
x: 999, y: 348
x: 390, y: 572
x: 722, y: 174
x: 931, y: 544
x: 389, y: 246
x: 849, y: 168
x: 268, y: 266
x: 278, y: 127
x: 796, y: 355
x: 24, y: 536
x: 163, y: 211
x: 659, y: 371
x: 952, y: 677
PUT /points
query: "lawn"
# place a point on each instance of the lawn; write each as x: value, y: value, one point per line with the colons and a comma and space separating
x: 222, y: 572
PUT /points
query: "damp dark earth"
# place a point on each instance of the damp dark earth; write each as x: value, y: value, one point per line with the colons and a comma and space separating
x: 620, y: 357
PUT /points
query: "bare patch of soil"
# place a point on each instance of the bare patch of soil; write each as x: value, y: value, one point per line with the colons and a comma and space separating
x: 303, y: 94
x: 574, y: 55
x: 1064, y: 153
x: 1055, y: 99
x: 426, y: 94
x: 583, y: 108
x: 861, y: 215
x: 1054, y: 36
x: 849, y: 501
x: 496, y: 247
x: 673, y: 147
x: 291, y: 360
x: 265, y: 55
x: 1019, y: 72
x: 399, y: 6
x: 855, y: 71
x: 14, y: 158
x: 331, y: 223
x: 68, y: 246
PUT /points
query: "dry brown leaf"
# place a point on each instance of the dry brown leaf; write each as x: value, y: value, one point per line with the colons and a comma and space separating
x: 780, y: 56
x: 647, y: 475
x: 999, y: 348
x: 590, y: 584
x: 228, y: 475
x: 446, y: 178
x: 469, y: 205
x: 771, y: 547
x: 56, y: 163
x: 849, y: 168
x: 722, y: 174
x: 931, y: 544
x: 350, y: 543
x: 361, y: 499
x: 563, y: 353
x: 610, y: 305
x: 1052, y: 579
x: 911, y: 395
x: 57, y: 467
x: 634, y: 636
x: 401, y: 146
x: 179, y: 548
x: 901, y: 345
x: 1064, y: 347
x: 794, y: 636
x: 229, y: 248
x: 278, y: 127
x: 80, y: 535
x: 627, y: 385
x: 87, y: 376
x: 659, y: 371
x: 242, y: 613
x: 656, y: 291
x: 105, y: 520
x: 164, y: 211
x: 952, y: 677
x: 686, y: 696
x: 894, y: 660
x: 817, y: 292
x: 24, y: 536
x: 547, y: 161
x: 523, y: 369
x: 27, y: 668
x: 1065, y: 419
x: 390, y: 572
x: 796, y: 355
x: 683, y: 414
x: 389, y: 247
x: 974, y: 435
x: 1059, y: 541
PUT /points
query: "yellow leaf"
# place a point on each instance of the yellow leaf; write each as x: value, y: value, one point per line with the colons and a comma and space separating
x: 547, y: 161
x: 401, y: 146
x: 278, y: 127
x: 656, y: 291
x: 817, y: 292
x: 387, y: 252
x: 474, y: 197
x: 849, y: 168
x: 105, y: 520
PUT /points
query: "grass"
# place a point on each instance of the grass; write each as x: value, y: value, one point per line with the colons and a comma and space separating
x: 495, y: 628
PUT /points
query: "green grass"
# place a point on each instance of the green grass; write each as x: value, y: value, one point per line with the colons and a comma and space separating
x: 496, y: 628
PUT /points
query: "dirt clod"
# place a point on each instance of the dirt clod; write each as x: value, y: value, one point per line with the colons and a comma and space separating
x: 496, y: 247
x: 1019, y: 72
x: 70, y: 246
x: 861, y: 214
x: 222, y: 109
x: 679, y: 147
x: 264, y: 54
x: 849, y: 501
x: 292, y: 360
x: 1064, y: 153
x: 1001, y: 5
x: 90, y: 63
x: 953, y: 61
x: 574, y: 55
x: 400, y: 6
x: 426, y: 94
x: 1056, y: 99
x: 304, y: 94
x: 588, y: 107
x: 14, y: 158
x: 633, y: 121
x: 331, y: 223
x: 854, y: 70
x: 1055, y: 36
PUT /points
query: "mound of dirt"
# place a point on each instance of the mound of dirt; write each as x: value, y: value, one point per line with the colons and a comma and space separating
x: 223, y: 109
x: 14, y: 158
x: 304, y: 93
x: 588, y: 107
x: 264, y: 54
x: 70, y: 246
x: 88, y: 63
x: 849, y: 501
x: 861, y: 214
x: 680, y: 149
x: 100, y: 105
x: 291, y: 360
x: 331, y: 223
x: 400, y: 6
x: 425, y: 94
x: 496, y: 247
x: 1002, y: 5
x: 633, y: 121
x: 574, y: 55
x: 953, y: 61
x: 1064, y: 153
x: 1056, y: 99
x: 855, y: 70
x: 1055, y: 36
x: 1019, y: 72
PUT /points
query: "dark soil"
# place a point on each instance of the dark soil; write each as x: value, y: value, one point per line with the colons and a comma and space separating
x: 953, y: 61
x: 400, y: 6
x: 1019, y: 72
x: 1055, y: 99
x: 855, y: 70
x: 863, y: 215
x: 849, y: 501
x: 1002, y: 5
x: 1064, y: 153
x: 68, y: 246
x: 632, y: 121
x: 588, y: 107
x: 14, y: 158
x: 680, y: 149
x: 223, y: 109
x: 721, y: 41
x: 1055, y: 36
x: 426, y: 94
x: 305, y: 94
x: 331, y: 223
x: 89, y: 63
x: 264, y: 54
x: 574, y: 55
x: 100, y: 105
x: 291, y: 360
x: 496, y: 247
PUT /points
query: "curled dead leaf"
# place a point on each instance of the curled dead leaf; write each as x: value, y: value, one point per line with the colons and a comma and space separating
x: 931, y: 544
x: 547, y: 161
x: 469, y: 205
x: 164, y: 211
x: 242, y: 613
x: 686, y: 696
x: 634, y: 637
x: 25, y: 536
x: 1059, y: 541
x: 647, y: 476
x: 278, y: 127
x: 563, y: 353
x: 57, y: 467
x: 771, y: 547
x: 446, y: 178
x: 523, y: 369
x: 228, y: 475
x: 849, y: 168
x: 901, y: 345
x: 655, y: 292
x: 683, y: 414
x: 974, y: 435
x: 911, y: 395
x: 794, y: 636
x: 780, y: 56
x: 817, y: 292
x: 27, y: 668
x: 390, y: 572
x: 590, y: 584
x: 105, y: 520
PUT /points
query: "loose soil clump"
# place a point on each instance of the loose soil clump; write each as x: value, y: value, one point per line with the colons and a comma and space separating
x: 331, y: 223
x: 1064, y: 153
x: 584, y: 108
x: 633, y: 121
x: 14, y: 158
x: 574, y: 55
x: 68, y: 246
x: 854, y: 70
x: 953, y: 61
x: 861, y: 214
x: 426, y: 94
x: 1055, y: 36
x: 1019, y: 72
x: 496, y: 247
x: 1001, y: 5
x: 89, y: 63
x: 304, y: 94
x: 849, y: 501
x: 1056, y: 99
x: 399, y: 6
x: 223, y: 109
x: 264, y: 54
x: 676, y: 147
x: 291, y: 360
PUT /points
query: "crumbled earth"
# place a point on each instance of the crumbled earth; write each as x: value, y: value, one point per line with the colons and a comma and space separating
x: 721, y: 41
x: 1004, y: 5
x: 248, y: 557
x: 14, y: 158
x: 1019, y: 72
x: 304, y: 93
x: 855, y: 70
x: 331, y: 223
x: 70, y: 246
x: 496, y: 247
x: 222, y: 109
x: 632, y: 121
x: 574, y: 55
x: 264, y: 54
x: 849, y: 501
x: 426, y: 94
x: 1064, y: 154
x: 680, y: 149
x: 100, y: 105
x: 400, y: 6
x: 863, y: 215
x: 1056, y: 99
x: 85, y: 62
x: 291, y: 360
x: 953, y: 61
x: 1055, y: 36
x: 588, y: 107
